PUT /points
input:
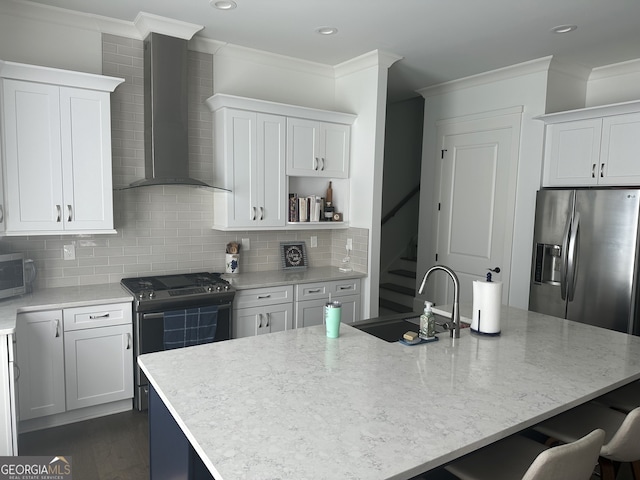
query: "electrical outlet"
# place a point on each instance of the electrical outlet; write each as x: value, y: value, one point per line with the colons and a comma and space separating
x: 69, y: 252
x: 246, y: 244
x: 349, y: 243
x: 314, y: 241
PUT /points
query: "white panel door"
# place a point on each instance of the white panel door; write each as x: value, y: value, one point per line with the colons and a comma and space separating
x: 40, y: 351
x: 31, y: 116
x: 86, y: 159
x: 478, y: 173
x: 98, y: 365
x: 302, y: 146
x: 620, y: 157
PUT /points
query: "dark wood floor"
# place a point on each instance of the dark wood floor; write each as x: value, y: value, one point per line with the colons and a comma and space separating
x: 114, y: 447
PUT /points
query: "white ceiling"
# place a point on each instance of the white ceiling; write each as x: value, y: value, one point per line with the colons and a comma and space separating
x: 439, y: 40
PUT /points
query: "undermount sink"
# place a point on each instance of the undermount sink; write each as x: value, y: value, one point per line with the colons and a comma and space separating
x: 392, y: 329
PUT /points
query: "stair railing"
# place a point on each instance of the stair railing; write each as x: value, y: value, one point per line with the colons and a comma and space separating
x: 400, y: 204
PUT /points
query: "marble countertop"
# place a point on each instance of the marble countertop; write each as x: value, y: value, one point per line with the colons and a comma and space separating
x: 298, y: 405
x: 61, y: 297
x: 244, y: 281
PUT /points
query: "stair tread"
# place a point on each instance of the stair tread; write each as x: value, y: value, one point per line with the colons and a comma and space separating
x: 403, y: 273
x: 398, y: 289
x: 388, y: 304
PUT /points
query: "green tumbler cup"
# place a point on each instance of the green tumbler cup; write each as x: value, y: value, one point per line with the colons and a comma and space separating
x: 332, y: 313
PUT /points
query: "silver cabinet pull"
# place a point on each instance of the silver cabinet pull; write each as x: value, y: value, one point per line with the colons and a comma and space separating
x: 601, y: 170
x: 315, y: 163
x: 128, y: 341
x: 57, y: 320
x: 266, y: 295
x: 593, y: 170
x: 96, y: 317
x: 70, y: 210
x: 1, y: 214
x: 322, y: 164
x: 59, y: 210
x: 268, y: 319
x: 343, y: 287
x: 315, y: 290
x: 253, y: 213
x: 259, y: 320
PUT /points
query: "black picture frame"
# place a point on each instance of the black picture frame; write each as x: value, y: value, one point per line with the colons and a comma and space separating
x: 293, y: 255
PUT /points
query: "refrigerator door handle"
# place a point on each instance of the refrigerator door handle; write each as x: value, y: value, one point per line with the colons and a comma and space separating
x: 564, y: 260
x: 572, y: 256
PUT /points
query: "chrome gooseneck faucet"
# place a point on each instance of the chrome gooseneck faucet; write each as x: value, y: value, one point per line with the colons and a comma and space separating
x: 455, y: 313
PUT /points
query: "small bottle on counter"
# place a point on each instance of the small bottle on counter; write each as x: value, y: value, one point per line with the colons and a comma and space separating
x: 427, y: 322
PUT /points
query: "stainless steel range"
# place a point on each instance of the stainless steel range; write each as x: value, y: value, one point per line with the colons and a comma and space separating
x: 157, y: 297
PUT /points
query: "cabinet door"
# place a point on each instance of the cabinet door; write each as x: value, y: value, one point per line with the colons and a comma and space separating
x: 8, y: 431
x: 248, y: 322
x: 240, y: 141
x: 32, y: 151
x: 572, y: 153
x: 303, y: 137
x: 620, y: 152
x: 334, y: 145
x: 41, y: 362
x: 310, y: 313
x: 270, y: 175
x: 86, y: 159
x: 318, y: 149
x: 98, y: 365
x: 350, y: 308
x: 276, y: 318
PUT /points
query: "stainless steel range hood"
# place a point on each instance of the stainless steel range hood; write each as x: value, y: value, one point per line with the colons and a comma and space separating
x: 165, y: 113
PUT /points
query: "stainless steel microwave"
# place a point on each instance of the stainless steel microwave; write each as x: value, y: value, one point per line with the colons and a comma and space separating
x: 12, y: 275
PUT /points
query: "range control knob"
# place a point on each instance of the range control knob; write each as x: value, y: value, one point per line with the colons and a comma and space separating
x: 152, y: 294
x: 210, y: 288
x: 226, y: 287
x: 218, y: 288
x: 141, y: 295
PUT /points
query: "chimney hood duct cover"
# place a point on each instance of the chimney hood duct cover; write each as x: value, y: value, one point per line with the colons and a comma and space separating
x: 165, y: 113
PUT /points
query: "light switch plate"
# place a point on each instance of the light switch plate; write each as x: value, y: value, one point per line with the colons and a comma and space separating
x: 349, y: 244
x: 246, y: 244
x: 314, y: 241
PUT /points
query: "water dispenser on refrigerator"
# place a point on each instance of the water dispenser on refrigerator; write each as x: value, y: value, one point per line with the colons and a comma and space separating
x: 547, y: 264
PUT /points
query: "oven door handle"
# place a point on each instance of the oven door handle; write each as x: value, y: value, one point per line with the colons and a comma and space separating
x: 159, y: 315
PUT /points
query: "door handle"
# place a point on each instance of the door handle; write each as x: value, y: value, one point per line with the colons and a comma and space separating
x: 494, y: 270
x: 572, y: 257
x: 565, y: 250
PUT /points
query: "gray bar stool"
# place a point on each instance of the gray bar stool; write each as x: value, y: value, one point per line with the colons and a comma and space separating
x: 622, y: 439
x: 518, y: 457
x: 624, y: 398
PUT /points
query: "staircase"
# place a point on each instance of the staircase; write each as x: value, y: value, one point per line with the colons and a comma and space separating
x: 398, y: 287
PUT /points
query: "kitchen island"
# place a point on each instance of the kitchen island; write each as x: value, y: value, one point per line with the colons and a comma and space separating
x: 298, y: 405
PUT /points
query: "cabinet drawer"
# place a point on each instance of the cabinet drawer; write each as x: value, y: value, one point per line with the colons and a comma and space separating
x: 336, y: 288
x: 257, y: 297
x: 97, y: 316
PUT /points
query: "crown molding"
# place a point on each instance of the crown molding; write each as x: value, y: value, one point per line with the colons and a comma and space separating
x: 615, y: 70
x: 148, y: 22
x: 506, y: 73
x: 375, y: 58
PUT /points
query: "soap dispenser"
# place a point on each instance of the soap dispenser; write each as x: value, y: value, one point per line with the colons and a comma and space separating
x: 427, y: 322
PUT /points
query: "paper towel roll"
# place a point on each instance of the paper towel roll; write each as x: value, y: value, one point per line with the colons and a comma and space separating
x: 487, y: 302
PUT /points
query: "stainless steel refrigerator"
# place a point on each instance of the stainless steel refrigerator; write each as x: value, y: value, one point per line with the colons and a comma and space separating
x: 585, y: 256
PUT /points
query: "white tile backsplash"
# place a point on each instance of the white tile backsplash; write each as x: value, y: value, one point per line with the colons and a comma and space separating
x: 165, y: 229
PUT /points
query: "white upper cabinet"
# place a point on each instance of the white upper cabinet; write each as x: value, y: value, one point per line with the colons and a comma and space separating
x: 250, y: 149
x: 317, y: 148
x: 56, y: 152
x: 260, y: 146
x: 593, y: 146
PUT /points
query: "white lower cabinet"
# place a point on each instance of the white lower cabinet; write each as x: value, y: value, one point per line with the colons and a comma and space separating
x: 74, y: 358
x: 40, y: 351
x: 8, y: 421
x: 262, y: 310
x: 312, y: 297
x: 98, y: 365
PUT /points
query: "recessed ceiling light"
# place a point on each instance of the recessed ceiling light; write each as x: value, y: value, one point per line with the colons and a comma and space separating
x: 564, y: 28
x: 327, y: 30
x: 223, y: 4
